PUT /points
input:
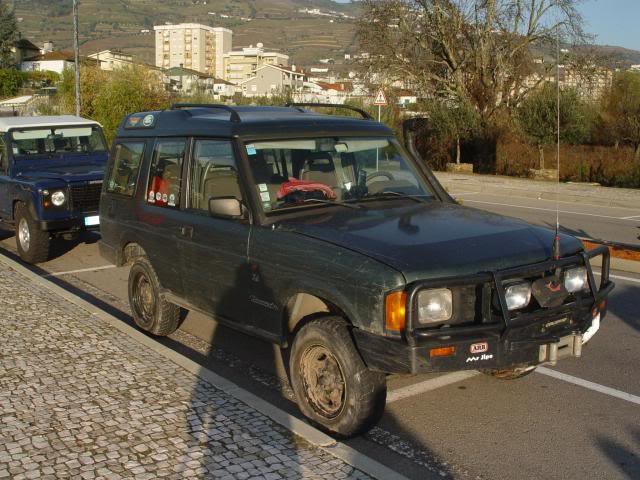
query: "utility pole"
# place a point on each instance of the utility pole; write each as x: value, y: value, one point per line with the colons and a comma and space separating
x: 76, y: 52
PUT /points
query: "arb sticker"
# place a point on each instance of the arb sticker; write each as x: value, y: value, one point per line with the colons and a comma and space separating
x: 479, y: 347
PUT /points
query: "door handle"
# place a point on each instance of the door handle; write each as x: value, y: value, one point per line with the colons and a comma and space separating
x: 186, y: 231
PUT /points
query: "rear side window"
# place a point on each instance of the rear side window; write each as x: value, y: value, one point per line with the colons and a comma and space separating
x: 165, y: 176
x: 213, y: 174
x: 124, y: 173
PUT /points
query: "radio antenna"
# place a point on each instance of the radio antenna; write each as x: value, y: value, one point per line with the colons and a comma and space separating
x: 556, y: 240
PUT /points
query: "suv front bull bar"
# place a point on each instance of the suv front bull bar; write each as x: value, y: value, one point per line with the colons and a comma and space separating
x: 550, y: 345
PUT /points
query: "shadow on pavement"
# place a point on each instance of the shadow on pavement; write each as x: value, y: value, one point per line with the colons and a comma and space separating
x: 627, y: 460
x: 204, y: 425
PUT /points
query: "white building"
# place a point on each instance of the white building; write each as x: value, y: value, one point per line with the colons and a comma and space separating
x: 112, y: 59
x: 194, y: 46
x: 241, y: 65
x: 56, y: 61
x: 270, y: 79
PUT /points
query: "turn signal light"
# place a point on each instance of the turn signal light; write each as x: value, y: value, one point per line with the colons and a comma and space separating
x: 396, y: 311
x: 442, y: 352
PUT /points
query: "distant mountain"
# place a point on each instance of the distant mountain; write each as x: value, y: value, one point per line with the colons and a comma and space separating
x: 290, y: 26
x: 279, y: 24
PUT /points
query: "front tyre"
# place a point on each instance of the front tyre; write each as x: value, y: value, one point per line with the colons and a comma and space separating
x: 333, y: 386
x: 32, y: 242
x: 150, y: 311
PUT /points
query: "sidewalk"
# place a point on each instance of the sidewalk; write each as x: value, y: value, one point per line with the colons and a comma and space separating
x: 522, y: 187
x: 79, y: 398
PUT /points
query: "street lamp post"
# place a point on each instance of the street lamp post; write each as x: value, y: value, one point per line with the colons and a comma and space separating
x: 76, y: 53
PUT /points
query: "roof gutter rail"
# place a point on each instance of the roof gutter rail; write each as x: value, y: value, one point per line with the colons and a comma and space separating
x: 299, y: 106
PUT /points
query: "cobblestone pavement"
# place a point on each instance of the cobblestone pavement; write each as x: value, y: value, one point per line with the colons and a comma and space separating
x: 80, y: 399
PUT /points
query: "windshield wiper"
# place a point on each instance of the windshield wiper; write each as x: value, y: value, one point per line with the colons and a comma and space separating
x: 392, y: 194
x: 329, y: 202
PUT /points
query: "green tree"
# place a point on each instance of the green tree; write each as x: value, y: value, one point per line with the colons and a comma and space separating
x: 8, y: 35
x: 108, y: 96
x: 453, y: 122
x: 10, y: 82
x: 537, y: 116
x: 622, y: 110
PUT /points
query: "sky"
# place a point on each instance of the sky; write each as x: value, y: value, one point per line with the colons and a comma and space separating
x: 613, y: 22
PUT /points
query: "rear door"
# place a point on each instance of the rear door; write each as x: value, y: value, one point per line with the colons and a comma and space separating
x: 159, y: 214
x: 215, y: 268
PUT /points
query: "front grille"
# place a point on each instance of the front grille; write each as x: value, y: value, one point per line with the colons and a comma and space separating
x: 86, y: 198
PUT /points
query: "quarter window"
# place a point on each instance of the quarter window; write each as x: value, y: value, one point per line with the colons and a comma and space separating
x: 165, y: 176
x: 4, y: 161
x: 124, y: 173
x: 214, y: 173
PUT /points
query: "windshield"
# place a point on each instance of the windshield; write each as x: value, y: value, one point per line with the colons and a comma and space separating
x: 312, y: 171
x: 45, y: 141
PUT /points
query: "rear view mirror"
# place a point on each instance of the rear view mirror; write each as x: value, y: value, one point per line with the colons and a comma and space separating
x: 225, y: 207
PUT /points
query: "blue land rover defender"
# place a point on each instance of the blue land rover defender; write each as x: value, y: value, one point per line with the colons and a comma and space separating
x: 51, y: 170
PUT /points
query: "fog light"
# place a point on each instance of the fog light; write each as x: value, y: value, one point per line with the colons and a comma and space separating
x: 575, y: 279
x: 518, y: 295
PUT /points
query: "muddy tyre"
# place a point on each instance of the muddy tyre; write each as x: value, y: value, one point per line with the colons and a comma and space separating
x: 32, y: 242
x: 510, y: 373
x: 333, y: 386
x: 150, y: 311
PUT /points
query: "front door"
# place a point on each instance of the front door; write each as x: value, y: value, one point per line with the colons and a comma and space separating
x: 215, y: 269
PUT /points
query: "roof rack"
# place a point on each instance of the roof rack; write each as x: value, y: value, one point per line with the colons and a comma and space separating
x: 235, y: 118
x: 299, y: 106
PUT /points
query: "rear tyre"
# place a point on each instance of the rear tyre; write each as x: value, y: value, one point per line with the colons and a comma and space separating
x: 510, y: 373
x: 150, y: 311
x: 333, y: 386
x: 32, y: 242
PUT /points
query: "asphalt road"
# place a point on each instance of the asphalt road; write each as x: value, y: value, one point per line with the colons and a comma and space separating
x: 438, y: 426
x: 615, y: 224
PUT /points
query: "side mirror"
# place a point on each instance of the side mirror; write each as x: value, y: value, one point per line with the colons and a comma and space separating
x: 225, y: 207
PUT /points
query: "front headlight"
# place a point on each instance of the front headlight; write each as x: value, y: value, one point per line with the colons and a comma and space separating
x: 58, y: 198
x: 435, y: 305
x: 518, y: 295
x: 575, y: 279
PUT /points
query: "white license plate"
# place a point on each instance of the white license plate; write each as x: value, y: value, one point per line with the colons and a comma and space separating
x: 92, y: 221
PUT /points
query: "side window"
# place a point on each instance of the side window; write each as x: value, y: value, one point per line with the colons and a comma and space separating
x: 4, y: 160
x: 165, y: 175
x: 213, y: 174
x: 126, y: 163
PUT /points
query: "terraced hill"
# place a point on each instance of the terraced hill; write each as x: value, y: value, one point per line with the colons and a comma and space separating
x: 278, y: 24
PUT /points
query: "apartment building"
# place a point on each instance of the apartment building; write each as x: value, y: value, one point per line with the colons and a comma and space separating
x: 193, y: 46
x: 112, y: 59
x: 271, y: 80
x: 242, y: 65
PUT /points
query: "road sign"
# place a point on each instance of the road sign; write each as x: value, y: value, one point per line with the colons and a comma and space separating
x: 381, y: 98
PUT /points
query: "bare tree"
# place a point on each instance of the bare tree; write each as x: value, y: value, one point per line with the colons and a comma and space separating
x: 480, y: 50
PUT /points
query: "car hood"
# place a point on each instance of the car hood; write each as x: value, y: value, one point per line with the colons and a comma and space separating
x: 65, y: 173
x: 434, y: 240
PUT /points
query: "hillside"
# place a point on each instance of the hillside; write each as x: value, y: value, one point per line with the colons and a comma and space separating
x: 279, y: 24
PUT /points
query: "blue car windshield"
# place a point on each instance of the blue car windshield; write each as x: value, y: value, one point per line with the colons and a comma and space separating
x: 52, y: 140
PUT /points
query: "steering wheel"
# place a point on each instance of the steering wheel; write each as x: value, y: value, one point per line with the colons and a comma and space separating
x: 380, y: 173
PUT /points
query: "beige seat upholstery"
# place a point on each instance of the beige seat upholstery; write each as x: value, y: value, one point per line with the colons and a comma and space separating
x: 319, y: 168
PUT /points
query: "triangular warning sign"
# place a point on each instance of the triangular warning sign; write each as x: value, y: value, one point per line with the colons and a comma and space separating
x: 381, y: 98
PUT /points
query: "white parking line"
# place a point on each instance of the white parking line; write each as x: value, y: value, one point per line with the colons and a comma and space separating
x: 427, y: 385
x: 589, y: 385
x: 620, y: 277
x: 81, y: 270
x: 632, y: 219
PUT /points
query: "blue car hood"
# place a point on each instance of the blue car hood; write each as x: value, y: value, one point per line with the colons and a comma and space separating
x: 74, y: 170
x: 434, y: 240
